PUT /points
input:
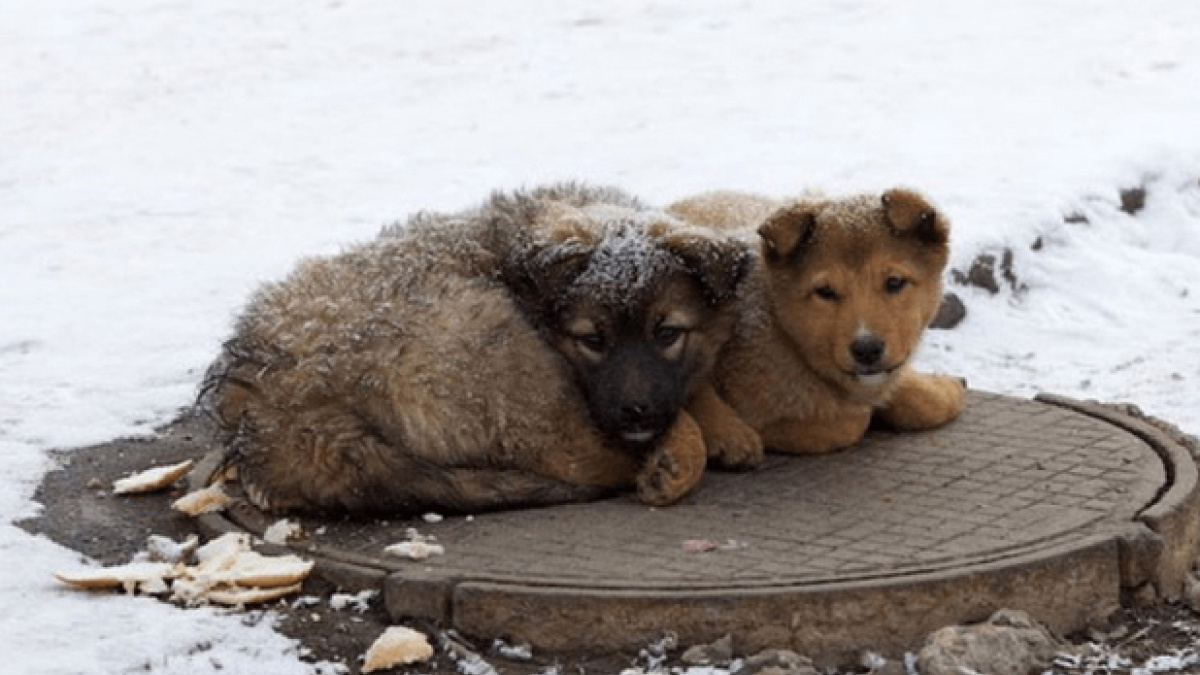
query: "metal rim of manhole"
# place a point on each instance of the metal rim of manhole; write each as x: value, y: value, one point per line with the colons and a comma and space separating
x: 1052, y: 505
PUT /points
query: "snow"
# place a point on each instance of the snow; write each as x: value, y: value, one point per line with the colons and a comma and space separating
x: 1168, y: 662
x: 1105, y: 658
x: 624, y: 264
x: 359, y: 602
x: 158, y: 160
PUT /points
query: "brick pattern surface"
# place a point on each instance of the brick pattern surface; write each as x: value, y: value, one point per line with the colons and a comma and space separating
x: 1010, y: 476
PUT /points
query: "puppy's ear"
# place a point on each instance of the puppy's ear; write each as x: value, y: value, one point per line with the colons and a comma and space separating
x: 555, y: 267
x: 788, y: 231
x: 545, y: 268
x: 910, y: 214
x: 719, y: 263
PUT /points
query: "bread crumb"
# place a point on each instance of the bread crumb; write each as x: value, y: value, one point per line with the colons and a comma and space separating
x: 415, y: 550
x: 280, y: 531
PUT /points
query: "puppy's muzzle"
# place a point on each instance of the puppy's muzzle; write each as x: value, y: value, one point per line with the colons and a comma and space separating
x: 639, y: 425
x: 867, y: 351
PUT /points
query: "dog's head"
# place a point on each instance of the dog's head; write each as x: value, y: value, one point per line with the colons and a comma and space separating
x: 854, y: 283
x: 639, y: 306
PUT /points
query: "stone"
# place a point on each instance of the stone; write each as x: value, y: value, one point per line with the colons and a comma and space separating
x: 981, y: 274
x: 1133, y: 200
x: 1008, y: 643
x: 777, y: 662
x: 987, y: 272
x: 719, y: 652
x: 950, y: 313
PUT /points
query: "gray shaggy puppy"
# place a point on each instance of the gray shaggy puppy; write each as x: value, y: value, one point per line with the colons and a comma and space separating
x: 535, y: 350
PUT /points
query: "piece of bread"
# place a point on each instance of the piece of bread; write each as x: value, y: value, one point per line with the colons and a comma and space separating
x: 415, y: 550
x: 235, y: 597
x: 396, y: 647
x: 152, y: 479
x: 147, y: 576
x: 227, y: 572
x: 208, y: 500
x: 254, y: 569
x: 220, y: 553
x: 280, y: 531
x: 165, y: 549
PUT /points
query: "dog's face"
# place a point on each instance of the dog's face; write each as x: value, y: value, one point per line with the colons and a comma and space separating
x: 639, y: 309
x: 854, y: 283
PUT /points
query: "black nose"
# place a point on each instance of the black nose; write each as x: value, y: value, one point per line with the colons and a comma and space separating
x: 867, y: 350
x: 634, y: 412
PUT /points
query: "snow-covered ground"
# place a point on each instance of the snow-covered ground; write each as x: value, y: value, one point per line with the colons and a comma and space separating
x: 159, y: 159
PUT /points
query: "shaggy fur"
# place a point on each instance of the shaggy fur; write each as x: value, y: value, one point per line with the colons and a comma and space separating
x: 461, y: 362
x: 832, y: 315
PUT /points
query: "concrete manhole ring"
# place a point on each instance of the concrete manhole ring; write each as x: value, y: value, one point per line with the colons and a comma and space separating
x: 1051, y: 506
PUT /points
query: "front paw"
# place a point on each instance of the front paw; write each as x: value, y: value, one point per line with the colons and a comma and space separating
x: 924, y: 401
x: 735, y: 446
x: 954, y: 391
x: 667, y: 477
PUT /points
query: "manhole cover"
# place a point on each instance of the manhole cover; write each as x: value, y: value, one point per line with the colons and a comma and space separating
x: 1049, y: 506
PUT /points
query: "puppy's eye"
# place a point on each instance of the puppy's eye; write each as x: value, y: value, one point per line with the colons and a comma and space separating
x: 666, y: 336
x: 826, y: 292
x: 592, y: 342
x: 894, y: 285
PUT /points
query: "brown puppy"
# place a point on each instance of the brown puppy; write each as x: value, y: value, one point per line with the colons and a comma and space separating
x: 832, y: 314
x: 535, y: 350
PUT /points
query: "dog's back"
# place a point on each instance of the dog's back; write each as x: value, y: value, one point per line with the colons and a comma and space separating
x: 725, y: 210
x: 398, y: 375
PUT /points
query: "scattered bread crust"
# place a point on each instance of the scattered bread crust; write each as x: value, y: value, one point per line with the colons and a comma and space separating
x: 227, y: 572
x: 415, y: 550
x: 221, y: 552
x: 280, y: 531
x: 397, y: 646
x: 150, y: 480
x: 237, y: 597
x: 207, y: 500
x: 254, y: 569
x: 165, y: 549
x: 146, y: 576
